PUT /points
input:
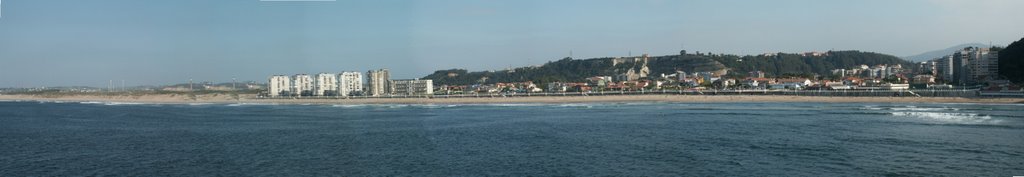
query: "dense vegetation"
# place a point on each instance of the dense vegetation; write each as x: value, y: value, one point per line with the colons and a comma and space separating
x: 571, y: 70
x: 1011, y: 61
x: 795, y: 64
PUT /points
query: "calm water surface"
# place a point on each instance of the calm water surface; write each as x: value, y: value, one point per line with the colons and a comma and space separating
x: 636, y: 139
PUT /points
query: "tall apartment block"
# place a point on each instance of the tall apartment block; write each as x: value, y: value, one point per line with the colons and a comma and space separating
x: 377, y: 82
x: 280, y: 85
x: 326, y: 84
x: 302, y: 85
x: 350, y: 84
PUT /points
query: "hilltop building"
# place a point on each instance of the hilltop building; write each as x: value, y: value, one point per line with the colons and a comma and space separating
x: 756, y: 74
x: 638, y: 71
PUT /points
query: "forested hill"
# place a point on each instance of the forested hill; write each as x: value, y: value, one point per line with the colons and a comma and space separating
x: 1011, y: 61
x: 573, y: 70
x: 798, y: 64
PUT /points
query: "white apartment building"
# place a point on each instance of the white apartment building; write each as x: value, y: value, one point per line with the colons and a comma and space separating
x: 326, y: 85
x: 302, y: 85
x: 985, y: 65
x: 350, y: 83
x: 412, y: 87
x: 280, y: 85
x: 377, y: 82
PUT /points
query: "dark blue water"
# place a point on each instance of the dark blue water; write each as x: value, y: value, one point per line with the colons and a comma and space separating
x: 636, y: 139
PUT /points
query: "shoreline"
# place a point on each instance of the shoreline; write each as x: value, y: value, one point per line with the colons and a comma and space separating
x: 226, y: 99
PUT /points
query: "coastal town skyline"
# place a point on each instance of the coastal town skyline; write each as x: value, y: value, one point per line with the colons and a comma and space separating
x: 174, y: 41
x: 511, y: 88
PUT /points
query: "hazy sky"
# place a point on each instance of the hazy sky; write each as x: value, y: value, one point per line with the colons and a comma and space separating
x: 153, y: 42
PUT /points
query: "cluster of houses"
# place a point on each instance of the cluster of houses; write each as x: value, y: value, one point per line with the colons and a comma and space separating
x: 880, y: 77
x: 638, y: 77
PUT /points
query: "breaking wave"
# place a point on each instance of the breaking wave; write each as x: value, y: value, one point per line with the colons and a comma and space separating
x: 950, y: 117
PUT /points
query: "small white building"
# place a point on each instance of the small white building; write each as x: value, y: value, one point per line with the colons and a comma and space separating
x: 837, y: 85
x: 896, y: 86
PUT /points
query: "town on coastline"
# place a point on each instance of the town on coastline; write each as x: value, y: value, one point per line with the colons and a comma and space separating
x: 972, y: 71
x: 967, y: 72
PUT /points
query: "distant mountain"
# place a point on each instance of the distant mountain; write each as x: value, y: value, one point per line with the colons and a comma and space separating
x: 940, y: 53
x: 574, y: 70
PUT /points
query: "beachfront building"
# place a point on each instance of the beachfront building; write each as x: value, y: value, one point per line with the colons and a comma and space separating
x: 791, y: 83
x: 960, y: 66
x: 350, y: 83
x: 326, y: 84
x: 985, y: 66
x: 377, y: 82
x: 412, y: 87
x: 302, y: 85
x: 944, y: 68
x: 279, y: 85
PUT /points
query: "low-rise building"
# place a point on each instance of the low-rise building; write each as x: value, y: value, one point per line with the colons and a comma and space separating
x: 412, y: 87
x: 924, y: 79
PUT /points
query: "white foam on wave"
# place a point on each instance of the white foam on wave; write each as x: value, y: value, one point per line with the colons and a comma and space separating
x: 950, y: 117
x: 122, y: 103
x: 250, y: 104
x: 436, y: 106
x: 914, y: 108
x: 872, y: 107
x: 349, y: 105
x: 396, y: 105
x: 113, y: 103
x: 577, y: 105
x: 513, y: 104
x: 41, y: 101
x: 987, y: 104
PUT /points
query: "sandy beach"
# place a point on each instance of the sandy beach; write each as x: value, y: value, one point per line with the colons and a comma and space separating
x: 225, y: 98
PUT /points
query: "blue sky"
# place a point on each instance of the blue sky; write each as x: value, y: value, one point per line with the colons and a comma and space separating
x: 153, y: 42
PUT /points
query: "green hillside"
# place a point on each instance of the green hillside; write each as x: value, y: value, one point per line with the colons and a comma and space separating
x: 573, y: 70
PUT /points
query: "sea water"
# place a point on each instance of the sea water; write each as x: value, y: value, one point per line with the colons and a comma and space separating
x: 583, y: 139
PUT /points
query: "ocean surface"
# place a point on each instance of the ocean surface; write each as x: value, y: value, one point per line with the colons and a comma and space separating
x: 634, y: 139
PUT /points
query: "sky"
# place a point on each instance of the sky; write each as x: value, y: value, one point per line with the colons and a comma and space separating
x: 159, y: 42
